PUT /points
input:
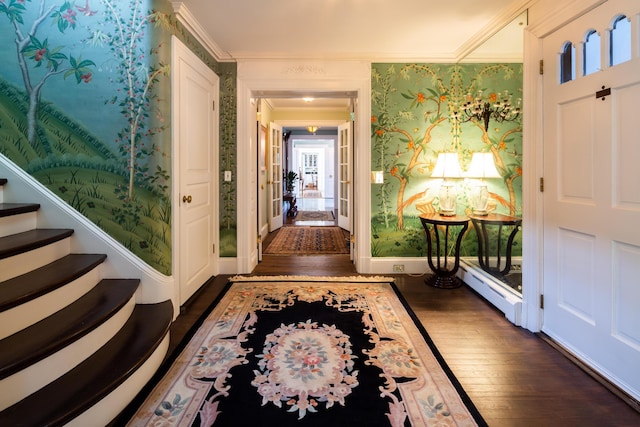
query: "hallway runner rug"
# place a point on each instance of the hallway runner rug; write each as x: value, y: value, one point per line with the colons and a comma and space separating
x: 297, y: 240
x: 308, y: 351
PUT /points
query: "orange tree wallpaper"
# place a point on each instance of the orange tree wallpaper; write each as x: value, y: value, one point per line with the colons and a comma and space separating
x: 417, y: 113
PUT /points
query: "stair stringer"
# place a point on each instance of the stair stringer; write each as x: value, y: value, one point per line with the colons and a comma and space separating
x: 88, y: 238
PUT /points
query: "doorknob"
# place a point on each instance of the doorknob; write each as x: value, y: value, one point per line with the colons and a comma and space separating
x: 186, y: 199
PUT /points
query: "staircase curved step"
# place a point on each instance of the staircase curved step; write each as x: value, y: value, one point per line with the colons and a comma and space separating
x: 8, y: 209
x: 36, y: 283
x: 39, y: 341
x: 85, y: 385
x: 23, y: 242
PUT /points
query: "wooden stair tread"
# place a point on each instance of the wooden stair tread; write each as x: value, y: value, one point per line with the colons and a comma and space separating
x: 15, y: 244
x: 89, y: 382
x: 44, y: 338
x: 33, y: 284
x: 8, y: 209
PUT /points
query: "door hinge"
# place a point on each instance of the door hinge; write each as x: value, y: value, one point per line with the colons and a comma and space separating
x: 541, y: 67
x: 541, y: 301
x: 542, y: 184
x: 214, y: 249
x: 259, y: 238
x: 213, y: 105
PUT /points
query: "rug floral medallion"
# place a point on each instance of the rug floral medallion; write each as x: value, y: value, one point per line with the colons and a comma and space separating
x: 306, y: 352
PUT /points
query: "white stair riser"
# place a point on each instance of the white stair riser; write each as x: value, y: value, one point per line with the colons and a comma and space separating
x: 17, y: 223
x: 33, y: 378
x: 103, y: 412
x: 27, y: 314
x: 23, y: 263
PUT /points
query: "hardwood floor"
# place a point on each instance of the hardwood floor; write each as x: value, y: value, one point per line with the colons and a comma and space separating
x: 513, y: 377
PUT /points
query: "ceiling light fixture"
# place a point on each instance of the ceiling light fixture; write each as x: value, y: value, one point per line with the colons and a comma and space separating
x: 312, y: 129
x: 496, y: 106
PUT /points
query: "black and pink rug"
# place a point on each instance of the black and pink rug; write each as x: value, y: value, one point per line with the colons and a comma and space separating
x: 309, y: 351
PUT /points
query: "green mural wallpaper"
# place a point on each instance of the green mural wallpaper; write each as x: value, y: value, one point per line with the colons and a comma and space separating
x: 85, y: 101
x: 417, y: 113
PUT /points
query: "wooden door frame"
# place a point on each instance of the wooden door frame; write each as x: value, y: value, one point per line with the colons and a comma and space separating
x: 257, y: 77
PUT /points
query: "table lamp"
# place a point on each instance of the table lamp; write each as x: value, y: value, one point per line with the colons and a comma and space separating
x: 482, y: 166
x: 447, y: 166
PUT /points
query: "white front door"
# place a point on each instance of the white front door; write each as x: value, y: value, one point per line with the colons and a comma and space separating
x: 196, y: 129
x: 275, y: 176
x: 592, y: 200
x: 345, y: 189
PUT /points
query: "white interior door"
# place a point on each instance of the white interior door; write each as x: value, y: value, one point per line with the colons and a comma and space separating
x: 592, y: 202
x: 196, y: 128
x: 345, y: 189
x: 275, y: 176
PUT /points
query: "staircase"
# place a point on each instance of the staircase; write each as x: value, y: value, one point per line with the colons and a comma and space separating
x: 75, y: 348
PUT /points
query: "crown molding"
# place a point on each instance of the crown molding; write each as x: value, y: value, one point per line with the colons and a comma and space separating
x: 186, y: 18
x: 493, y: 27
x: 564, y: 12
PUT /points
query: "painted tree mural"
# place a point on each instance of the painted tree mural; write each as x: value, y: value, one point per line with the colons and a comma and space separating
x: 103, y: 149
x: 125, y: 41
x: 415, y: 116
x: 35, y: 53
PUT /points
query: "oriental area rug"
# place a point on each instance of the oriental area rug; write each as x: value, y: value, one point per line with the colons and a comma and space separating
x: 308, y: 351
x: 315, y: 216
x: 308, y: 241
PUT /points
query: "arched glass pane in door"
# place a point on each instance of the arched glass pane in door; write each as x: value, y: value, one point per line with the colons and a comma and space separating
x: 591, y: 53
x: 567, y: 63
x: 620, y: 41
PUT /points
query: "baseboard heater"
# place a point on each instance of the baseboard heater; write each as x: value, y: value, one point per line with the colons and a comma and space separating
x: 493, y: 291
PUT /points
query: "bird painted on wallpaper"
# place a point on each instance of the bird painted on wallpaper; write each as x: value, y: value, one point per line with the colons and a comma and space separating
x: 86, y: 10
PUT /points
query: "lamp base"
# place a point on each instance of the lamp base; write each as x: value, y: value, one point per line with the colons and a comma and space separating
x: 480, y: 212
x: 446, y: 212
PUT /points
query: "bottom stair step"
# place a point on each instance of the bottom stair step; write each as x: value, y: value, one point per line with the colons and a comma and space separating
x: 85, y: 385
x: 33, y: 344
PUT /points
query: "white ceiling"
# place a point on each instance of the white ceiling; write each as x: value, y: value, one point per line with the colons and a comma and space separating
x: 372, y: 30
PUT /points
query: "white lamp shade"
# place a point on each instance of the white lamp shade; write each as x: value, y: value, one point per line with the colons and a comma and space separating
x: 482, y: 166
x: 447, y: 166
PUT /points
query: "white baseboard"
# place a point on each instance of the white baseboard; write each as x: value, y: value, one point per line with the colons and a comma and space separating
x: 493, y: 291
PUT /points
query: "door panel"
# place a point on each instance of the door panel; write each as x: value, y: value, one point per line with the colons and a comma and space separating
x: 275, y: 176
x: 345, y: 188
x: 196, y: 128
x: 592, y: 204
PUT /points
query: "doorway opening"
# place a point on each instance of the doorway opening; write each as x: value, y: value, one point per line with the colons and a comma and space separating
x: 313, y: 158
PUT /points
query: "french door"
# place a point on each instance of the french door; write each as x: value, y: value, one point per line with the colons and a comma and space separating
x: 345, y: 189
x: 274, y: 180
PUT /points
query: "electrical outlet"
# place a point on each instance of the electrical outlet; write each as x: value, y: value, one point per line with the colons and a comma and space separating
x: 227, y: 176
x: 398, y: 268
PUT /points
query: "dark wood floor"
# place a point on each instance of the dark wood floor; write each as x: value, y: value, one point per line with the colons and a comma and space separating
x: 514, y: 377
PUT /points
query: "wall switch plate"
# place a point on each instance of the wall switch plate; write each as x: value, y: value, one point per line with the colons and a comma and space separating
x: 227, y: 176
